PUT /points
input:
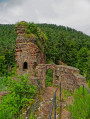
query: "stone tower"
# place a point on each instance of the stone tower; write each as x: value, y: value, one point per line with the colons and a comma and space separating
x: 27, y: 54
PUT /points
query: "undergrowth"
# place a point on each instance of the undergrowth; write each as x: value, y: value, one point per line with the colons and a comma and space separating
x: 19, y: 94
x: 81, y: 105
x: 65, y: 94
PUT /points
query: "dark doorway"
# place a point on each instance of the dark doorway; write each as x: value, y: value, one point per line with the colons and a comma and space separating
x: 25, y: 66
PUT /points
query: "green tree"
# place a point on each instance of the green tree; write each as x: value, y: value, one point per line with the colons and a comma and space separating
x: 82, y: 59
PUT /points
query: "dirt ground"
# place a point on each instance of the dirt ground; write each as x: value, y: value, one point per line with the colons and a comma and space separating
x: 45, y: 105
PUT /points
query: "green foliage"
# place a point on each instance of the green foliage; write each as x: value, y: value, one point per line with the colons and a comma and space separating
x: 88, y: 83
x: 65, y: 94
x: 14, y: 71
x: 7, y: 49
x: 21, y: 23
x: 20, y: 93
x: 32, y: 116
x: 7, y: 62
x: 31, y: 28
x: 39, y: 81
x: 30, y: 35
x: 7, y: 37
x: 4, y: 82
x: 81, y: 105
x: 49, y: 77
x: 1, y: 84
x: 82, y: 59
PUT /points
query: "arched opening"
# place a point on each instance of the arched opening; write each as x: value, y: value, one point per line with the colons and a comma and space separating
x: 57, y: 78
x: 25, y: 66
x: 49, y: 78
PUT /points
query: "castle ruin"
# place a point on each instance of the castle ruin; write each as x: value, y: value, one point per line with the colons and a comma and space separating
x: 30, y: 59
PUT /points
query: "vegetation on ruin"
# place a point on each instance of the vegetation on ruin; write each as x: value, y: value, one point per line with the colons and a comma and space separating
x: 19, y: 95
x: 32, y: 30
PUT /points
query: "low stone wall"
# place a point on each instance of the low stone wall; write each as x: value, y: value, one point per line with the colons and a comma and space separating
x: 66, y: 69
x: 68, y: 82
x: 68, y: 76
x: 35, y: 81
x: 80, y: 79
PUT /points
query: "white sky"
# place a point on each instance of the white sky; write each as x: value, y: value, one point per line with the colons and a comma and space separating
x: 71, y: 13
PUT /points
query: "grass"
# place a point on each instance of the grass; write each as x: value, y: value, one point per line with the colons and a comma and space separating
x: 81, y: 105
x: 66, y: 94
x: 88, y: 82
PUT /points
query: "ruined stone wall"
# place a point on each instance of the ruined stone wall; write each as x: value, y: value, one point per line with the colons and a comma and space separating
x: 27, y: 55
x: 68, y: 76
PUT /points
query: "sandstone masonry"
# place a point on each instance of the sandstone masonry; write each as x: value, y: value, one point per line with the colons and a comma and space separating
x: 27, y: 55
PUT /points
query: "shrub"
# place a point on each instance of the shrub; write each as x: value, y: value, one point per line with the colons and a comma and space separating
x: 20, y: 94
x: 3, y: 82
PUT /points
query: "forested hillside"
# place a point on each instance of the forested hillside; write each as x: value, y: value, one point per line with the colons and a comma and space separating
x: 7, y: 49
x: 63, y: 45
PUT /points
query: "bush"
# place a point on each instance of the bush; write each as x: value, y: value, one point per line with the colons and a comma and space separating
x: 19, y: 95
x: 81, y: 105
x: 3, y: 82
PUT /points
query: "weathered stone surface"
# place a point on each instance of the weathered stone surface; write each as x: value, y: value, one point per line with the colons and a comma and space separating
x: 20, y: 29
x: 80, y: 79
x: 34, y: 81
x: 68, y: 76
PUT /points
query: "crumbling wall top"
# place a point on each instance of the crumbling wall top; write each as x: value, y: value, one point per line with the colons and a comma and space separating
x: 20, y: 29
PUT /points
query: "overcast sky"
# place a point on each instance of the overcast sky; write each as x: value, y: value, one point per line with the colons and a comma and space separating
x: 71, y: 13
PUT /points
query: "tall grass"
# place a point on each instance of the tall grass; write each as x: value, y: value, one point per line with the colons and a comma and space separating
x: 81, y: 105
